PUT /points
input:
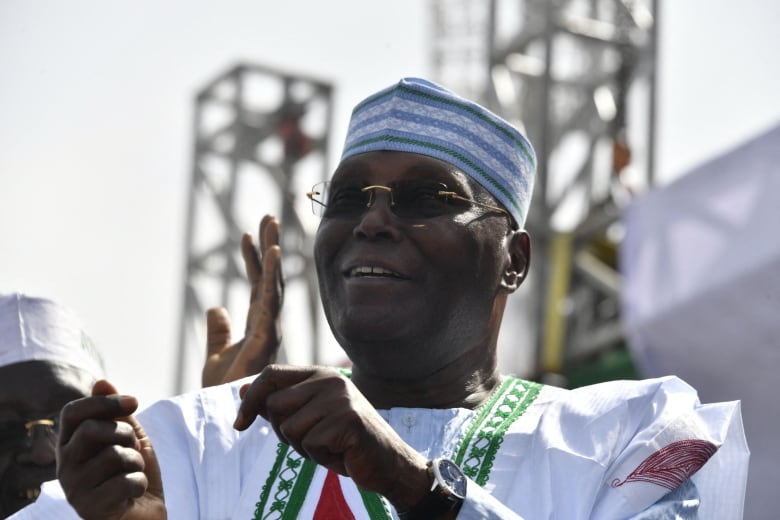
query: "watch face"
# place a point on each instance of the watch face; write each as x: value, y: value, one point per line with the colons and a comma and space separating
x: 453, y: 476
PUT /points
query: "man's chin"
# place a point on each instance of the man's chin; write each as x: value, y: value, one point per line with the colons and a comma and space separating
x: 373, y: 337
x: 18, y: 491
x: 13, y: 502
x: 378, y: 323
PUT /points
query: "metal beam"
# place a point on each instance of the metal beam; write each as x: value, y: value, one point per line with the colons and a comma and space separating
x: 579, y: 77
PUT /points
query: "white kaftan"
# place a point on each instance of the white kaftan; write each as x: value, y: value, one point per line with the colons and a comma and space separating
x: 607, y: 451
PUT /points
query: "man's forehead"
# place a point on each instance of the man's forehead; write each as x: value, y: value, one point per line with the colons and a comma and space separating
x: 35, y: 386
x: 394, y: 165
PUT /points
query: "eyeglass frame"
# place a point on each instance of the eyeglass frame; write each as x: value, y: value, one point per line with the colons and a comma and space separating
x: 446, y: 193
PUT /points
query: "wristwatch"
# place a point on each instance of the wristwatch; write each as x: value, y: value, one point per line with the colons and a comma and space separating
x: 447, y: 492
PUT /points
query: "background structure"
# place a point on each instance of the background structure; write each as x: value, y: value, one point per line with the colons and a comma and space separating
x: 259, y: 134
x: 580, y: 77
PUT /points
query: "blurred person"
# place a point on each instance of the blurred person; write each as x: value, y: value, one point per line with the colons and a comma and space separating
x: 46, y: 360
x: 421, y: 242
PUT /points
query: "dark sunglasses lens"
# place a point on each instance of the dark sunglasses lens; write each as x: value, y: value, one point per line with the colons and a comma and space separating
x: 12, y: 432
x: 416, y: 199
x: 419, y: 199
x: 344, y: 200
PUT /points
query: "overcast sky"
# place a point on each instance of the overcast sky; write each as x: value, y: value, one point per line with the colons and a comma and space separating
x: 95, y: 138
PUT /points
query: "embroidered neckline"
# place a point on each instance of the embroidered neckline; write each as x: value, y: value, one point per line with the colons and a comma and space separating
x: 291, y: 475
x: 480, y: 444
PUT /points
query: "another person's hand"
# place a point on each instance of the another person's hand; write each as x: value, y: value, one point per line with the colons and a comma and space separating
x: 226, y: 361
x: 325, y: 418
x: 105, y: 462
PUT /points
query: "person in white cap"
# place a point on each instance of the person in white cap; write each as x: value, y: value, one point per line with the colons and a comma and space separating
x: 421, y: 242
x: 46, y: 360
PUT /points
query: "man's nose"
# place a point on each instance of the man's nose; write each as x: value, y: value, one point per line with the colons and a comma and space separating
x: 40, y: 447
x: 378, y: 221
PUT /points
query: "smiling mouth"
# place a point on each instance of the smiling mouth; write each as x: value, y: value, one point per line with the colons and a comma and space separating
x: 365, y: 271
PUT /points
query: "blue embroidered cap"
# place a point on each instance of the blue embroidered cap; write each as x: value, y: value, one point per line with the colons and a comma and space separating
x: 419, y: 116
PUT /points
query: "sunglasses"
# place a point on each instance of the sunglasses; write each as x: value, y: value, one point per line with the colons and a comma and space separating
x: 412, y: 199
x: 21, y: 432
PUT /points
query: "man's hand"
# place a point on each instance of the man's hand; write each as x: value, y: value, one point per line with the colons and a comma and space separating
x: 225, y: 361
x: 105, y: 462
x: 325, y: 418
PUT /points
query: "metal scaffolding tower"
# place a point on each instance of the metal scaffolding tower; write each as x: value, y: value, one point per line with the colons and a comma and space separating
x: 260, y: 141
x: 579, y: 77
x: 460, y: 45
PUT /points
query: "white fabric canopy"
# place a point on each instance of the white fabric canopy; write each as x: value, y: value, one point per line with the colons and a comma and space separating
x: 701, y: 294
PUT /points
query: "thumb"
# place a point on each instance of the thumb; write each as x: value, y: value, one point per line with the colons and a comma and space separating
x: 217, y: 330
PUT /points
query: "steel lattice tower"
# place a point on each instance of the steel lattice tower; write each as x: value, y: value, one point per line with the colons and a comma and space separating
x: 260, y: 142
x: 579, y: 77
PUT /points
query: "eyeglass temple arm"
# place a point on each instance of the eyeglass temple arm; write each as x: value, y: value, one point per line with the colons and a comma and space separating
x: 465, y: 199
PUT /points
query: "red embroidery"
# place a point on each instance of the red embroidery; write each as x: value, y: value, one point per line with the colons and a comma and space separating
x: 332, y: 505
x: 671, y: 465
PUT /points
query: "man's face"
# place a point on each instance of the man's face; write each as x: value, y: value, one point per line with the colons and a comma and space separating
x: 406, y: 296
x: 32, y: 391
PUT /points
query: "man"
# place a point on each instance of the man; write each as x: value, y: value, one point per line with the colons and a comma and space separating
x: 46, y: 360
x: 420, y: 244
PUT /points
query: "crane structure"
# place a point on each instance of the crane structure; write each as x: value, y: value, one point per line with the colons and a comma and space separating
x: 578, y: 77
x: 260, y: 141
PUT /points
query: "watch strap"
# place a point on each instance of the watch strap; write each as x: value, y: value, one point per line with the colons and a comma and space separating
x: 438, y: 501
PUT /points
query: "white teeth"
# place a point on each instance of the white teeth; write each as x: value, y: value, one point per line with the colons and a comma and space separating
x: 32, y: 494
x: 365, y: 270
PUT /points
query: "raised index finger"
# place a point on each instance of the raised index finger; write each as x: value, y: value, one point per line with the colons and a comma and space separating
x: 270, y: 380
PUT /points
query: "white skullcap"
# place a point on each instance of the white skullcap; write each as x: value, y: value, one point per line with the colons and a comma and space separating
x: 40, y: 329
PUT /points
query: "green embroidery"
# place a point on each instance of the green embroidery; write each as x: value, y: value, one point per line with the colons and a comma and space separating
x: 346, y: 372
x: 475, y: 454
x: 294, y: 479
x: 376, y: 505
x: 489, y: 426
x: 477, y: 421
x: 302, y: 484
x: 281, y: 451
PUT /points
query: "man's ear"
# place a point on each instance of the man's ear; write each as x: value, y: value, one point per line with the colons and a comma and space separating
x: 519, y: 260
